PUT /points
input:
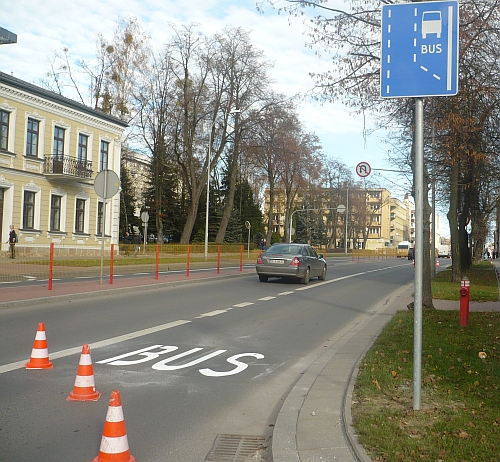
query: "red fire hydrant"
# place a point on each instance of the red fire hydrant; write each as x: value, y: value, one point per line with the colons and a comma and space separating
x: 464, y: 302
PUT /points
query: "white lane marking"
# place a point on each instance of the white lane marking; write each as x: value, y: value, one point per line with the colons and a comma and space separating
x: 242, y: 305
x: 269, y: 297
x: 102, y: 343
x: 286, y: 293
x: 424, y: 68
x: 436, y: 76
x: 211, y: 313
x: 346, y: 277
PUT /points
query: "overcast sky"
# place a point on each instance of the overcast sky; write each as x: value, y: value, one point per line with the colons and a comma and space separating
x: 43, y: 27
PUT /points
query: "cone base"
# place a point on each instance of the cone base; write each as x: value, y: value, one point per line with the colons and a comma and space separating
x: 132, y: 459
x: 30, y: 365
x: 77, y: 397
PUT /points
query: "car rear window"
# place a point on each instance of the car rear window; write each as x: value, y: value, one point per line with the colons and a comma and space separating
x: 286, y: 249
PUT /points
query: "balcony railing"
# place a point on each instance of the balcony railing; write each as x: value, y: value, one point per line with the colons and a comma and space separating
x: 70, y: 166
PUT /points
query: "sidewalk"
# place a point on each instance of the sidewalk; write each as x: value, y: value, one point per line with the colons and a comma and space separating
x: 15, y: 294
x: 314, y: 423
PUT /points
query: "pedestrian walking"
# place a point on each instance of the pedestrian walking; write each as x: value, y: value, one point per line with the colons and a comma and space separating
x: 137, y: 243
x: 127, y: 240
x: 12, y: 241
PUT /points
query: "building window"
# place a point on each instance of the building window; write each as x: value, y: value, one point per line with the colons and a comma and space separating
x: 103, y: 163
x: 4, y: 129
x: 83, y: 141
x: 32, y: 137
x: 58, y: 149
x: 80, y: 216
x: 55, y: 213
x: 373, y: 231
x: 99, y: 217
x: 29, y: 210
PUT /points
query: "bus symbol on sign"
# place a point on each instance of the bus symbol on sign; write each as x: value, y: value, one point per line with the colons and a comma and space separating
x: 431, y: 23
x: 363, y: 169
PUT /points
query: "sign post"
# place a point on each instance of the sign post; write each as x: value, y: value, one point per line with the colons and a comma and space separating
x: 145, y: 220
x: 106, y: 185
x: 419, y: 58
x: 248, y: 225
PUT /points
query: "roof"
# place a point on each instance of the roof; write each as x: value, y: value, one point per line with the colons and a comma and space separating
x: 57, y: 98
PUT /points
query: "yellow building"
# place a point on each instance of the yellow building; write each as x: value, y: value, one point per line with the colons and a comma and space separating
x: 51, y: 149
x: 375, y: 219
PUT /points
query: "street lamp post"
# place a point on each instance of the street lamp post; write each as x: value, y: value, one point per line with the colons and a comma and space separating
x: 209, y: 156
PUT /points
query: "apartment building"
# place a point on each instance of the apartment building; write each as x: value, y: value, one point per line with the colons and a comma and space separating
x: 374, y: 218
x: 51, y: 149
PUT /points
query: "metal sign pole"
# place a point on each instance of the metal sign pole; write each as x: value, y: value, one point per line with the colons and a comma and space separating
x: 419, y: 254
x: 103, y: 220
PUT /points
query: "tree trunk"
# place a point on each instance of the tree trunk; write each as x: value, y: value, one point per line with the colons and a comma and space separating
x: 456, y: 272
x: 229, y: 205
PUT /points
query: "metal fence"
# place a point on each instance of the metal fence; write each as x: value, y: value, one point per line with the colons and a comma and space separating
x: 34, y: 262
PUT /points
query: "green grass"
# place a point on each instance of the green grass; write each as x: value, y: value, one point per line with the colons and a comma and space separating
x: 459, y: 419
x: 483, y: 284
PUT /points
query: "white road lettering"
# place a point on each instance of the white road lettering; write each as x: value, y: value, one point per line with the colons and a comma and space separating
x: 142, y: 352
x: 161, y: 366
x: 232, y: 360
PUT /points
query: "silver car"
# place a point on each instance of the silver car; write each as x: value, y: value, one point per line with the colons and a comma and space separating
x: 291, y: 261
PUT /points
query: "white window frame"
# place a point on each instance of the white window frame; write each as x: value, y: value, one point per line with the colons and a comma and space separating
x: 41, y: 134
x: 32, y: 187
x: 64, y: 201
x: 12, y: 125
x: 86, y: 217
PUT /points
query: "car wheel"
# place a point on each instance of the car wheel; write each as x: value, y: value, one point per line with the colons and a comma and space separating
x: 262, y: 278
x: 322, y: 277
x: 305, y: 278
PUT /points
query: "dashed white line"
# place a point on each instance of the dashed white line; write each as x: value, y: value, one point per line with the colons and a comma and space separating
x: 424, y: 68
x: 436, y: 76
x: 211, y: 313
x: 270, y: 297
x: 288, y: 292
x: 242, y: 305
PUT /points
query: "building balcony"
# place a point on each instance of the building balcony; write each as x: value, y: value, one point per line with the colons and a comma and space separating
x: 65, y: 168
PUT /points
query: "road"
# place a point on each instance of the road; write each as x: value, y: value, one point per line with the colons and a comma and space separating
x: 217, y: 357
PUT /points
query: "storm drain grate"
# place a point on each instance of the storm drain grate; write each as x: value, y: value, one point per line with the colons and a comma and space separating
x: 237, y: 448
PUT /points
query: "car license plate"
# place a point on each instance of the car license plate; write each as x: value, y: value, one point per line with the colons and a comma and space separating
x: 276, y: 260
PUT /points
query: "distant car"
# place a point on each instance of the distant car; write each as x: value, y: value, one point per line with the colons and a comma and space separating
x: 291, y: 261
x: 411, y: 253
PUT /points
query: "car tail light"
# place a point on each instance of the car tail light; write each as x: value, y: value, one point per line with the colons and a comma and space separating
x: 259, y: 260
x: 295, y: 261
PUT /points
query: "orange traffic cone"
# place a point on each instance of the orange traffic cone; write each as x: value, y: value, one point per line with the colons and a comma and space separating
x: 40, y: 354
x: 114, y: 442
x: 84, y: 388
x: 437, y: 262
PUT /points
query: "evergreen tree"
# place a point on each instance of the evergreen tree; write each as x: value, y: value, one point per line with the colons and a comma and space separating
x: 127, y: 203
x: 169, y: 210
x: 248, y: 209
x: 234, y: 230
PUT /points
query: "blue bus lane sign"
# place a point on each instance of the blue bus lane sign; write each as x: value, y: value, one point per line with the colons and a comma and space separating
x: 419, y: 49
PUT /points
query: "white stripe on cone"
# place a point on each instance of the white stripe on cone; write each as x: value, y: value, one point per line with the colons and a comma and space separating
x: 114, y: 445
x: 39, y: 353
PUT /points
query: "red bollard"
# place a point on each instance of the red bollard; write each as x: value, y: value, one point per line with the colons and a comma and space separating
x: 464, y: 302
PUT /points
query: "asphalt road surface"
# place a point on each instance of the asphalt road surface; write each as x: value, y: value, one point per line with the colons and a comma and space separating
x: 191, y: 362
